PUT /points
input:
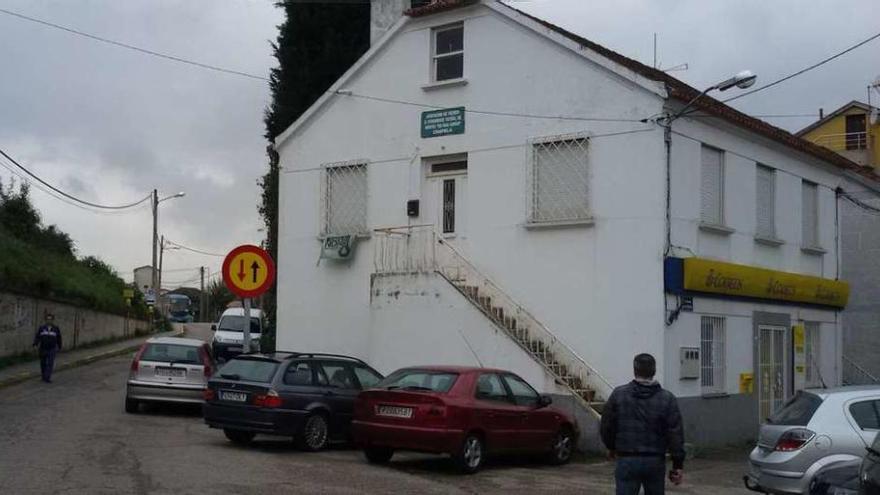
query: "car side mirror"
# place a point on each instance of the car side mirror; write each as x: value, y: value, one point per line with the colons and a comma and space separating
x: 213, y: 328
x: 544, y: 401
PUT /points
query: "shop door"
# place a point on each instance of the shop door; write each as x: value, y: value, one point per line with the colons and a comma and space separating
x: 772, y: 359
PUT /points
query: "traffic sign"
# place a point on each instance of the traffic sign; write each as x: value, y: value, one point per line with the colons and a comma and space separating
x: 248, y: 271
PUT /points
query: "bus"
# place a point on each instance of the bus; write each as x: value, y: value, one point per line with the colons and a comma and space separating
x: 179, y: 308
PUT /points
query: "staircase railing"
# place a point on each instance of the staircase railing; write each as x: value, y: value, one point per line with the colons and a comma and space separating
x: 414, y: 249
x: 850, y: 369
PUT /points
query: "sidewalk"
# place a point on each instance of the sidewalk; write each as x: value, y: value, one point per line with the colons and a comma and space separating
x: 70, y: 359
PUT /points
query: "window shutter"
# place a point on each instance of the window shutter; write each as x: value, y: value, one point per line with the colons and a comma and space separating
x: 766, y: 202
x: 712, y: 187
x: 810, y: 214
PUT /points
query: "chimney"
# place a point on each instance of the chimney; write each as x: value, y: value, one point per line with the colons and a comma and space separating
x: 383, y: 15
x: 821, y: 113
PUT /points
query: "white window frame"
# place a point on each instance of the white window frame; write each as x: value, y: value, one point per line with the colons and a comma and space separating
x: 534, y: 218
x: 326, y: 199
x: 713, y: 359
x: 435, y: 57
x: 766, y: 235
x: 704, y: 219
x: 812, y: 354
x: 810, y: 240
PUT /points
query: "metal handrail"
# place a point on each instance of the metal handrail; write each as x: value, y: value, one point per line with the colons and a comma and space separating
x: 861, y: 370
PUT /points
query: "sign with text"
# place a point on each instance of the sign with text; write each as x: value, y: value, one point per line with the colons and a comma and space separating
x: 337, y: 247
x: 702, y: 275
x: 248, y: 271
x: 443, y: 122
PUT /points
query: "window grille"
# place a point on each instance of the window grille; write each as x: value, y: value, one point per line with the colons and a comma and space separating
x: 765, y: 202
x: 344, y: 199
x: 712, y: 186
x: 558, y: 180
x: 812, y: 353
x: 712, y: 360
x: 810, y: 214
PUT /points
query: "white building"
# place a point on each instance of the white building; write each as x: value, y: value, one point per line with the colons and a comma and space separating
x: 506, y: 184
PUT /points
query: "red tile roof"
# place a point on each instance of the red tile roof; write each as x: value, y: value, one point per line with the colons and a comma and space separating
x: 437, y: 6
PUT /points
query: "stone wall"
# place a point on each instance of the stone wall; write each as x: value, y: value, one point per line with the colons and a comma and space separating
x: 21, y: 315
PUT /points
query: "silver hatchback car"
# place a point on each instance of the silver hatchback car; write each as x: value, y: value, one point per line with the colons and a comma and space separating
x: 169, y: 369
x: 813, y: 429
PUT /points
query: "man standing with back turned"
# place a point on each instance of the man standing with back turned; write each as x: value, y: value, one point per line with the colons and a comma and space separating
x: 48, y: 343
x: 640, y: 423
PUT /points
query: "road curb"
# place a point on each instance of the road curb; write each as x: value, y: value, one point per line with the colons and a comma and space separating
x: 21, y: 377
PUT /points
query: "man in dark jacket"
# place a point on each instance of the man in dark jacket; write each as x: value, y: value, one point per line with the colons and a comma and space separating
x: 48, y: 343
x: 640, y: 423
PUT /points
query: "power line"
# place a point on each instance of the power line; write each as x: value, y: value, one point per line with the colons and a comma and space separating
x: 807, y: 69
x: 859, y: 203
x: 133, y: 47
x: 69, y: 196
x: 181, y: 246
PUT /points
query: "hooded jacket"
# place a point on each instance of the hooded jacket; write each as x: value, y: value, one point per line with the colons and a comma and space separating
x: 643, y: 419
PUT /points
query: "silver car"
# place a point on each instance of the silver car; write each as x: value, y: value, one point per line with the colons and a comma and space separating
x: 169, y: 369
x: 813, y: 429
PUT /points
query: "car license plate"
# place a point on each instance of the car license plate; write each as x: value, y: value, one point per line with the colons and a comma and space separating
x: 233, y: 396
x: 234, y: 349
x: 172, y: 372
x: 394, y: 412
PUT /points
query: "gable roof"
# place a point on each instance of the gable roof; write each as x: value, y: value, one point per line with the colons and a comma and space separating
x: 839, y: 111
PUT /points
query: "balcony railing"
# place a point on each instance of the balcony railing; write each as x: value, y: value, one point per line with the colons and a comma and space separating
x: 848, y: 141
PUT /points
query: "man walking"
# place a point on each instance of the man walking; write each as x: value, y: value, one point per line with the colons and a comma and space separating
x: 48, y: 343
x: 640, y: 423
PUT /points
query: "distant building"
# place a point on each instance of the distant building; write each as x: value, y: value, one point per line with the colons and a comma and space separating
x: 143, y: 278
x: 852, y: 130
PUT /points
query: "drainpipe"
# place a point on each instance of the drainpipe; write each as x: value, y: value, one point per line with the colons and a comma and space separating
x: 667, y: 139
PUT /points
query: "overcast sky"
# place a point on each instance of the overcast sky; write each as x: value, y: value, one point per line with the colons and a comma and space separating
x: 108, y: 124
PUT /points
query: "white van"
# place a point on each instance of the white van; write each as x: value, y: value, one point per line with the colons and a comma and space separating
x: 229, y: 332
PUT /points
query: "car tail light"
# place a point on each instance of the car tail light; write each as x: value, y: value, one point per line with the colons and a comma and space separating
x: 270, y: 400
x: 206, y: 362
x: 794, y: 439
x: 208, y: 395
x: 135, y: 363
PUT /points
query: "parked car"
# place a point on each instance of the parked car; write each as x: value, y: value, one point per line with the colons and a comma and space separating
x: 229, y: 332
x: 468, y: 413
x: 869, y: 474
x: 169, y: 369
x: 813, y: 429
x: 309, y: 397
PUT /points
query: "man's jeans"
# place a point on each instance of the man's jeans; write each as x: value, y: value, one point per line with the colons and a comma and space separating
x: 47, y: 362
x: 633, y: 473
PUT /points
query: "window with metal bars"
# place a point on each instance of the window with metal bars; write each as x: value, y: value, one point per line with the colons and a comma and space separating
x: 712, y: 359
x: 558, y: 180
x: 810, y: 214
x: 344, y: 199
x: 448, y: 206
x: 812, y: 354
x: 765, y: 202
x: 711, y: 186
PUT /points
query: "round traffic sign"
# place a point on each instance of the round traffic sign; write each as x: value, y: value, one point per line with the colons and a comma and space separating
x: 248, y: 271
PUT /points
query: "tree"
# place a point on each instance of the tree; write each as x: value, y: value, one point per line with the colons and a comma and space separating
x: 19, y: 218
x: 316, y: 44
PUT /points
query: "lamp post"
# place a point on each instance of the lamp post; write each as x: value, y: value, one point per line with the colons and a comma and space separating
x: 155, y: 239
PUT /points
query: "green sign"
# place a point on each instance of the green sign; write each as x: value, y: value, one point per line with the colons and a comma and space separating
x: 443, y: 122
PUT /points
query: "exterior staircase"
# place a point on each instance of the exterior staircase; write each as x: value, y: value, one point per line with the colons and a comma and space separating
x: 419, y: 249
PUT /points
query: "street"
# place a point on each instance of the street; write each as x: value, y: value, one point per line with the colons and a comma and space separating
x: 73, y: 437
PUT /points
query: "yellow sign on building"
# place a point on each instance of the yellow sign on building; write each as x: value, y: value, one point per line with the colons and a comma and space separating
x: 702, y: 275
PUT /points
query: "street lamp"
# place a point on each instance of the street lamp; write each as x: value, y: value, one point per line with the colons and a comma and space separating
x: 156, y: 201
x: 742, y: 80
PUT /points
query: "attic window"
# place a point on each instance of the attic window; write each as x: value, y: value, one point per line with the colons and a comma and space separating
x: 448, y: 53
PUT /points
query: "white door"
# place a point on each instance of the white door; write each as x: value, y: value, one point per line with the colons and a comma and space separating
x: 446, y: 198
x: 772, y: 359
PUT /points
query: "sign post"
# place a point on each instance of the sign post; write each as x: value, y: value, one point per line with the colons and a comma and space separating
x: 248, y: 271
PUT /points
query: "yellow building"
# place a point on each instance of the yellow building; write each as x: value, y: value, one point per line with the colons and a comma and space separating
x: 852, y: 130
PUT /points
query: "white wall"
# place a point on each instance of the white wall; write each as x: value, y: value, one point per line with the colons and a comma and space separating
x: 599, y: 287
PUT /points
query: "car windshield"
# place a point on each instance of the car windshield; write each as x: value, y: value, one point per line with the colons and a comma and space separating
x: 419, y: 380
x: 234, y: 323
x: 797, y: 411
x: 166, y: 353
x: 249, y: 370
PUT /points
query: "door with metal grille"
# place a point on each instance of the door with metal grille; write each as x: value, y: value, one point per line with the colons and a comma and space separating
x: 772, y: 359
x: 447, y: 197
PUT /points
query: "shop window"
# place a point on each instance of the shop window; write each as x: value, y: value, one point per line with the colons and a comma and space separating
x: 712, y: 359
x: 558, y: 186
x: 711, y: 186
x: 812, y: 354
x: 448, y: 53
x: 810, y: 214
x: 765, y: 202
x: 344, y: 199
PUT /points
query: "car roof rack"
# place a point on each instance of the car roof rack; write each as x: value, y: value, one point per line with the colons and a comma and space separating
x: 322, y: 354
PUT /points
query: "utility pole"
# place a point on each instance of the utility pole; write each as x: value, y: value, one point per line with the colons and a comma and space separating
x: 202, y: 301
x: 155, y: 279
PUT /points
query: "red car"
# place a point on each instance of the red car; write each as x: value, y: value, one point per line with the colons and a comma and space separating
x: 465, y: 412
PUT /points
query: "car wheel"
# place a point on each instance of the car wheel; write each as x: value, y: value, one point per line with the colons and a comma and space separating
x: 563, y: 447
x: 239, y: 437
x: 315, y: 433
x: 378, y: 455
x: 131, y: 406
x: 470, y: 457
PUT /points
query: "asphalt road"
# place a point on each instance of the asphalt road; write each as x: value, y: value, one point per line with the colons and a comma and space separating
x: 72, y: 436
